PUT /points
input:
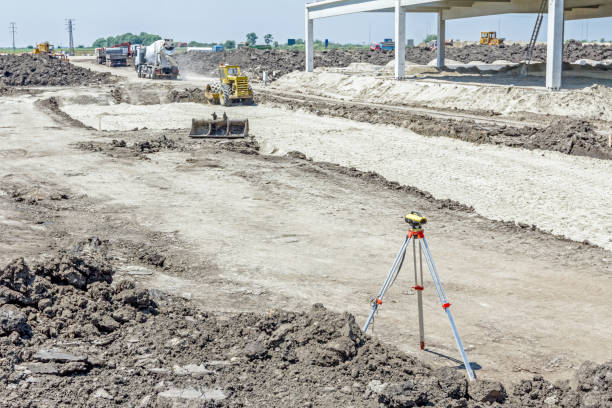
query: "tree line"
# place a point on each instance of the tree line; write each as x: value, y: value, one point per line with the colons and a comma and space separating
x: 142, y: 38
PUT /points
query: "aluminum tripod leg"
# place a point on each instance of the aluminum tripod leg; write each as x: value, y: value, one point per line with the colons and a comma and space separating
x: 445, y: 305
x: 387, y: 283
x: 418, y: 286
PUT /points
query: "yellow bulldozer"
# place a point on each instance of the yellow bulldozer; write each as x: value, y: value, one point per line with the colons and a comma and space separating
x: 232, y: 87
x: 47, y: 49
x: 490, y: 38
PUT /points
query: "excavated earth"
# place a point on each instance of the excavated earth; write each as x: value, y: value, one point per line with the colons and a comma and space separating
x: 281, y: 62
x: 40, y: 70
x: 73, y: 334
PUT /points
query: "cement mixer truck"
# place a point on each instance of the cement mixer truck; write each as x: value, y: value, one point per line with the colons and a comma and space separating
x: 155, y: 61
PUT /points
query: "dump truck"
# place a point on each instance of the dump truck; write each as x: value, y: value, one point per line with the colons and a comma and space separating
x: 232, y: 87
x: 490, y: 38
x: 112, y: 57
x: 155, y: 61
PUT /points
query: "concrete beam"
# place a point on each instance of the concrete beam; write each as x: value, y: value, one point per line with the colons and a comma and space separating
x: 441, y: 40
x: 309, y: 43
x: 554, y: 44
x: 400, y: 41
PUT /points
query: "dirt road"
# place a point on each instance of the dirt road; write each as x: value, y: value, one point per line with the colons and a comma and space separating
x: 250, y: 232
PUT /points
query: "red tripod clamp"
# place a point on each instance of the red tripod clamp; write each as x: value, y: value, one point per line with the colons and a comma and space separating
x: 418, y: 234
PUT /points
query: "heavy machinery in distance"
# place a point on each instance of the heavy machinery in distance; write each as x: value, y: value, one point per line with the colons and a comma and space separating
x: 48, y: 49
x: 232, y: 87
x: 490, y: 38
x: 115, y: 56
x: 155, y: 61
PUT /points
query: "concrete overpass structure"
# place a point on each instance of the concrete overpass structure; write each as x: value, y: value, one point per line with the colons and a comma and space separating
x: 558, y: 11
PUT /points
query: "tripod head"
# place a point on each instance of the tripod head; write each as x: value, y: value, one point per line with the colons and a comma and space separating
x: 415, y: 219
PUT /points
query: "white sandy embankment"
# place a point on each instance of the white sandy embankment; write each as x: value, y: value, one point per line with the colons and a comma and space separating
x: 567, y: 195
x: 592, y: 102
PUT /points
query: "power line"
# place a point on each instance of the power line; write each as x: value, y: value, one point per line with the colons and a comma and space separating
x: 13, y: 30
x: 70, y: 28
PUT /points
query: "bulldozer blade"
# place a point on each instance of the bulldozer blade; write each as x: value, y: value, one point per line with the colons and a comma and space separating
x: 219, y: 128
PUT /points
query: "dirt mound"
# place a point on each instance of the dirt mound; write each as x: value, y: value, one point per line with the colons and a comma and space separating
x: 196, y: 95
x: 39, y: 70
x: 139, y: 149
x: 71, y: 335
x: 280, y: 62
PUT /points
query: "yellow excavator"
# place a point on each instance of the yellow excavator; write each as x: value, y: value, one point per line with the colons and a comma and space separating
x: 232, y: 87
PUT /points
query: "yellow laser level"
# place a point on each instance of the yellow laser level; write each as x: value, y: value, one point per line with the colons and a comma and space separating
x: 415, y: 219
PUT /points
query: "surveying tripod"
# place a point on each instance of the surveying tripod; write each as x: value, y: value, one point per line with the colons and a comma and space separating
x: 415, y: 234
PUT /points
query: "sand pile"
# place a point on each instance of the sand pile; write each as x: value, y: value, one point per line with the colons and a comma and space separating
x: 71, y: 335
x: 40, y: 70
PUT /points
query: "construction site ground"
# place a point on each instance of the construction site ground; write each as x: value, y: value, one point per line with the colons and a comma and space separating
x: 310, y: 210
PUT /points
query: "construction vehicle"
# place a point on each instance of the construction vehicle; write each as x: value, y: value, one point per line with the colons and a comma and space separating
x: 386, y: 45
x: 48, y: 49
x: 490, y: 38
x: 219, y: 128
x: 112, y: 57
x: 155, y: 61
x: 43, y: 48
x: 232, y: 87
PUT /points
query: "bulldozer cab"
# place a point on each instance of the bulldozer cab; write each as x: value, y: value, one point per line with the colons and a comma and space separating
x: 487, y: 36
x: 228, y: 72
x: 43, y: 48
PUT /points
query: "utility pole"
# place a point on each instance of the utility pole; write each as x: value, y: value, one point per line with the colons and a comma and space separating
x: 13, y: 30
x: 70, y: 28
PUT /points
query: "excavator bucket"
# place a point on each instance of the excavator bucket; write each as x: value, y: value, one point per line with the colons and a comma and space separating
x: 220, y: 128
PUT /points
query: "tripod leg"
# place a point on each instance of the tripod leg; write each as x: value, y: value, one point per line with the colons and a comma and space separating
x: 419, y: 289
x: 420, y: 302
x: 446, y: 305
x: 388, y: 281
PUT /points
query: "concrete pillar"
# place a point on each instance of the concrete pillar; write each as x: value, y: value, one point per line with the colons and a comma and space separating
x: 554, y: 44
x: 441, y: 40
x: 400, y: 40
x: 309, y: 43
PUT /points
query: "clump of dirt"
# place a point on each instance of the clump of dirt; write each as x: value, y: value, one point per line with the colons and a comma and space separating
x: 280, y: 62
x: 41, y: 70
x: 138, y: 149
x: 196, y: 95
x: 574, y: 137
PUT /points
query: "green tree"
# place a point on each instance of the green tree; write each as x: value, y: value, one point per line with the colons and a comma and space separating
x: 30, y: 47
x: 299, y: 41
x: 100, y: 42
x: 251, y: 38
x: 275, y: 44
x: 430, y: 37
x: 268, y: 39
x: 229, y: 45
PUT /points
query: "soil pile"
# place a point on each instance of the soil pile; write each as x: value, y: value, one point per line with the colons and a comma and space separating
x: 71, y: 335
x: 280, y: 62
x: 41, y: 70
x: 574, y: 137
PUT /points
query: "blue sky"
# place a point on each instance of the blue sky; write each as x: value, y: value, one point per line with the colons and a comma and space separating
x: 206, y: 21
